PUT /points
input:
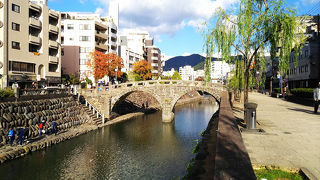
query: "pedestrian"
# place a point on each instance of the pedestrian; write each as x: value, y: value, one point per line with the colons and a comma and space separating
x: 26, y: 134
x: 20, y: 136
x: 147, y: 104
x: 11, y: 135
x: 41, y: 127
x: 33, y: 85
x: 54, y: 128
x: 316, y: 97
x: 142, y: 105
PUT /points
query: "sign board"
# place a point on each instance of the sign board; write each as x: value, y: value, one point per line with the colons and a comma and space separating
x: 38, y: 78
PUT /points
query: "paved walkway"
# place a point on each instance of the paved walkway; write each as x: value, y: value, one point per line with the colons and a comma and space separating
x: 292, y: 137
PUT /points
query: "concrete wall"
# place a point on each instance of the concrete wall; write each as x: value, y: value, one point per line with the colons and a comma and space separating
x: 70, y: 60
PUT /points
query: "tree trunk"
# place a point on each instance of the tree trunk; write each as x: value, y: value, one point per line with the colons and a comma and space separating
x: 246, y: 85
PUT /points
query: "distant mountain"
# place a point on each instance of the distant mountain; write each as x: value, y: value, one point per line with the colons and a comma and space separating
x: 180, y: 61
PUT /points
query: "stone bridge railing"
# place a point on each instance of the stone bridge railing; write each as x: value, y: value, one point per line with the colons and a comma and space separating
x: 154, y: 83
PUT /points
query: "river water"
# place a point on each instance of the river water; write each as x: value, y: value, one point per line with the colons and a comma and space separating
x: 140, y: 148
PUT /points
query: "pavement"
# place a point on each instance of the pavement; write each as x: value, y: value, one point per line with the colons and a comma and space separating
x: 291, y: 138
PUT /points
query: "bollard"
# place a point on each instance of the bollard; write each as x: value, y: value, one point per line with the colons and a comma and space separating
x: 250, y: 115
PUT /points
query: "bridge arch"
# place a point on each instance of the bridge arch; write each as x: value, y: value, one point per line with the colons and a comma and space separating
x: 115, y: 100
x: 175, y: 99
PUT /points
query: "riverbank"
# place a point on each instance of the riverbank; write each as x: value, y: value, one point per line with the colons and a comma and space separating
x: 37, y: 143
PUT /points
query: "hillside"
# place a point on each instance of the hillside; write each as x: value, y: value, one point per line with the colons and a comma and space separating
x: 180, y: 61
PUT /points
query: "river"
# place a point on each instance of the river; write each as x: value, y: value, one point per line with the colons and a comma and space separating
x: 140, y: 148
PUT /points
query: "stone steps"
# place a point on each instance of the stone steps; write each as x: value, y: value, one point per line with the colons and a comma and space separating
x: 93, y: 117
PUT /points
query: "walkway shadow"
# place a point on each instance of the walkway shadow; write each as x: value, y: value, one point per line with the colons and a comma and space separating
x: 301, y: 110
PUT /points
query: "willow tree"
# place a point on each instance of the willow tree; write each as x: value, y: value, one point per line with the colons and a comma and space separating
x: 256, y: 27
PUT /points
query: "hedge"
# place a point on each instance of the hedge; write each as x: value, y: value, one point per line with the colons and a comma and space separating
x: 6, y: 93
x: 302, y: 92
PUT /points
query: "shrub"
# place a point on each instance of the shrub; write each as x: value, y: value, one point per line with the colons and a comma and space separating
x: 83, y: 85
x: 302, y: 92
x: 276, y: 90
x: 6, y: 93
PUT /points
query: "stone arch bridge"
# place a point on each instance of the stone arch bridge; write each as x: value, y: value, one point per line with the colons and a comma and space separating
x: 166, y: 92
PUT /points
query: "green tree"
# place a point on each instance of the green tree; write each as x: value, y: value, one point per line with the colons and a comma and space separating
x: 257, y: 25
x: 176, y: 76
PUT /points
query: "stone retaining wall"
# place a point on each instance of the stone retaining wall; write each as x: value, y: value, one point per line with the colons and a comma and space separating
x: 65, y: 111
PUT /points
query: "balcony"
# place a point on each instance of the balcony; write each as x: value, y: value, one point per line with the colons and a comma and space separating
x: 34, y: 22
x: 53, y: 14
x: 101, y: 26
x: 113, y: 35
x: 34, y: 40
x: 34, y: 7
x: 154, y: 58
x: 53, y: 59
x: 101, y: 46
x: 53, y: 44
x: 53, y: 29
x: 101, y: 35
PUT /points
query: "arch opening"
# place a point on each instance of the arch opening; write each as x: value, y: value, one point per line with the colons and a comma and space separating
x: 195, y: 94
x: 134, y: 101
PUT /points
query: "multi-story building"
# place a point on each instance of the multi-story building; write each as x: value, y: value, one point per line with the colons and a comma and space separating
x: 89, y: 32
x: 129, y: 57
x: 153, y: 56
x: 168, y: 73
x: 220, y: 71
x: 139, y: 45
x: 186, y: 73
x: 29, y: 43
x: 306, y: 73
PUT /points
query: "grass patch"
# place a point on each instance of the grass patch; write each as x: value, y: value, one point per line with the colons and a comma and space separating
x: 275, y: 174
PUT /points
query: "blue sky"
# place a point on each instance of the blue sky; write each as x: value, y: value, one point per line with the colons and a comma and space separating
x: 174, y: 24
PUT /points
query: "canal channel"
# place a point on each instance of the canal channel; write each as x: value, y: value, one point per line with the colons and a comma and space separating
x: 141, y: 148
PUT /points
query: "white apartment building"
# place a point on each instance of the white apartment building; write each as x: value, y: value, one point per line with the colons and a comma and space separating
x: 29, y: 43
x: 198, y: 73
x: 128, y: 57
x: 89, y: 32
x: 186, y: 73
x: 168, y: 73
x: 219, y: 71
x: 140, y: 46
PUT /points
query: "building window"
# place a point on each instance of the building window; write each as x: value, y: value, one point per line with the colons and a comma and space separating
x: 85, y: 50
x: 21, y: 66
x: 70, y: 26
x: 84, y: 38
x: 62, y: 52
x: 84, y: 61
x: 307, y: 68
x: 15, y: 45
x: 85, y: 27
x: 15, y: 26
x: 15, y: 8
x: 306, y: 53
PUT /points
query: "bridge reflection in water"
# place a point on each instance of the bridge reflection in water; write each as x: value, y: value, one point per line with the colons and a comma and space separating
x: 140, y: 148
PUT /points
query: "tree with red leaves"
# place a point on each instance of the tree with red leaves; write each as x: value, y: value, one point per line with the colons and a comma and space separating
x: 143, y: 69
x: 105, y: 64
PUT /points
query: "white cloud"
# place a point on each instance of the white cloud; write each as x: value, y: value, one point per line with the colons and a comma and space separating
x: 82, y: 1
x: 165, y: 16
x: 309, y: 1
x: 186, y: 54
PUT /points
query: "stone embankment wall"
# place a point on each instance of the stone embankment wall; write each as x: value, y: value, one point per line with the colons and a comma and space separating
x: 65, y: 111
